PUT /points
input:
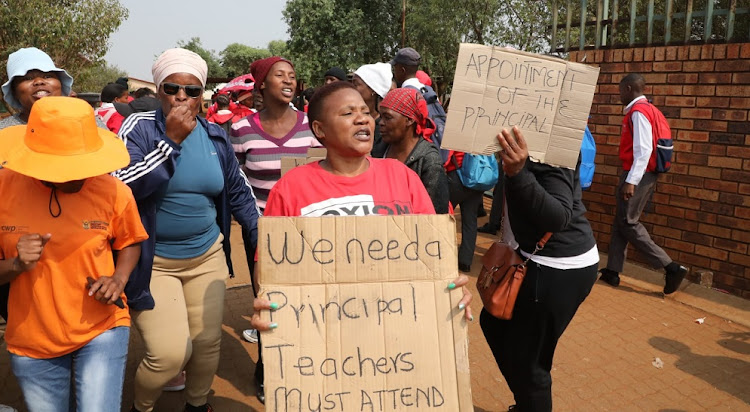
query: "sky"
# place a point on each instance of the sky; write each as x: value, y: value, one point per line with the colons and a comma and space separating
x: 156, y: 25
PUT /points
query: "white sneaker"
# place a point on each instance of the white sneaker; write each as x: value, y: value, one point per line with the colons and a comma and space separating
x: 6, y: 408
x: 250, y: 335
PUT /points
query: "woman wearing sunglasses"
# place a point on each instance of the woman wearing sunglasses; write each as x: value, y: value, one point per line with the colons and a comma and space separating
x: 187, y: 183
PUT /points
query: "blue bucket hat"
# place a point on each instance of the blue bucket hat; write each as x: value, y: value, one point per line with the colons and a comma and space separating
x: 22, y: 61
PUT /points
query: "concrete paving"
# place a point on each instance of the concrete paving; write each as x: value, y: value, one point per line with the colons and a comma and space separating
x: 605, y: 361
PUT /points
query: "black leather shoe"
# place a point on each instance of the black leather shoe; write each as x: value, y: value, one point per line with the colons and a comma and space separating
x: 464, y: 268
x: 611, y: 277
x: 673, y: 279
x: 487, y: 228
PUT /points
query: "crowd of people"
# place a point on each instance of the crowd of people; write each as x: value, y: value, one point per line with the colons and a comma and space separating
x: 156, y: 185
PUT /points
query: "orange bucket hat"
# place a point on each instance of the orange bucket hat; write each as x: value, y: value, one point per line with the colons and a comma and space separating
x: 61, y: 143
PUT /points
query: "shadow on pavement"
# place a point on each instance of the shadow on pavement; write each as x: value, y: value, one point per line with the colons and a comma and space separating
x: 704, y: 367
x: 223, y: 404
x: 737, y: 342
x: 626, y: 288
x: 236, y: 367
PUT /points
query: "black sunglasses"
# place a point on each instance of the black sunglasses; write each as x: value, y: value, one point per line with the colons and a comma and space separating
x: 192, y: 91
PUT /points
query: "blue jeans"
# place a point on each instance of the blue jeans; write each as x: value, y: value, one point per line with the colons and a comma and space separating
x: 98, y: 369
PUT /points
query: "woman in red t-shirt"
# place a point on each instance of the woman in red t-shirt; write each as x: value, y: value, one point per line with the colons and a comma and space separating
x: 347, y: 181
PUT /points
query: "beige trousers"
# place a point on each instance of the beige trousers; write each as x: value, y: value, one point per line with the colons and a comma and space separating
x: 183, y: 331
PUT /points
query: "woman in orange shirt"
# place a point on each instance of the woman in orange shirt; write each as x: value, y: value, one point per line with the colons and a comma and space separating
x: 63, y: 217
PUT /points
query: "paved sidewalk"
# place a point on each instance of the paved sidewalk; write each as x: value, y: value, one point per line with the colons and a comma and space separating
x: 604, y: 360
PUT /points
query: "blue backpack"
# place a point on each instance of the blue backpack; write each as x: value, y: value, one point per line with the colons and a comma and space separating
x: 588, y: 155
x: 437, y: 114
x: 478, y: 172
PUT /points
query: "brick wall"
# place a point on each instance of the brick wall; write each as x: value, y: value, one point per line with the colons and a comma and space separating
x: 700, y: 212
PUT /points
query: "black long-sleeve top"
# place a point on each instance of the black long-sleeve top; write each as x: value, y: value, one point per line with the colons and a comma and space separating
x: 543, y: 198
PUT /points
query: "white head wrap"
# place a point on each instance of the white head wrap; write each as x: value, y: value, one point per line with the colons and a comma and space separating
x: 377, y: 76
x: 179, y: 61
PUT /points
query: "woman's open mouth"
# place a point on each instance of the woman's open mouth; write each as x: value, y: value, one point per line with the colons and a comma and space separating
x: 40, y: 93
x: 363, y: 135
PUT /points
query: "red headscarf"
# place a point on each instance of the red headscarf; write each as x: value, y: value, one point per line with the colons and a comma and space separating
x: 410, y: 103
x: 260, y: 68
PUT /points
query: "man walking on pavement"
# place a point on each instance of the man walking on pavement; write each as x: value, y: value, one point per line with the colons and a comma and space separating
x: 637, y: 183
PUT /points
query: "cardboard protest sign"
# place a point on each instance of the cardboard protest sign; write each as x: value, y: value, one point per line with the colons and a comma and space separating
x: 313, y: 155
x: 494, y: 88
x: 366, y: 321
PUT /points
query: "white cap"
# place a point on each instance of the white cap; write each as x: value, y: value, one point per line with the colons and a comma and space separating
x: 377, y: 76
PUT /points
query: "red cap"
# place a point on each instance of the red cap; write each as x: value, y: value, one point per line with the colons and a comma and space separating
x: 424, y: 78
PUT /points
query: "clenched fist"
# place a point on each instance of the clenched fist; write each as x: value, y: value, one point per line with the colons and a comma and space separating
x: 30, y: 249
x: 180, y: 122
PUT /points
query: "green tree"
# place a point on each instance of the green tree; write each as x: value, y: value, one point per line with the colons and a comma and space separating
x: 93, y: 79
x: 382, y: 27
x: 236, y: 58
x: 437, y: 27
x: 343, y: 33
x: 74, y: 33
x: 316, y: 42
x: 349, y: 33
x: 514, y: 23
x: 215, y: 69
x: 278, y: 48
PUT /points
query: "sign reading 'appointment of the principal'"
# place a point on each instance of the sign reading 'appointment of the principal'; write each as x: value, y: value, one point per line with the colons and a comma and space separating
x: 494, y: 88
x: 366, y: 321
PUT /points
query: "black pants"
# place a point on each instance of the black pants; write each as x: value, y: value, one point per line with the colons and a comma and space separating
x: 525, y: 345
x: 469, y: 201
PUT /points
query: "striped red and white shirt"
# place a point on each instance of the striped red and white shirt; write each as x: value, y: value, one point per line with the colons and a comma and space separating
x: 260, y: 153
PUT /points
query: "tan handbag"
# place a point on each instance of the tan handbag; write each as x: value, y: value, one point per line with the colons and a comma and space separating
x: 501, y: 277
